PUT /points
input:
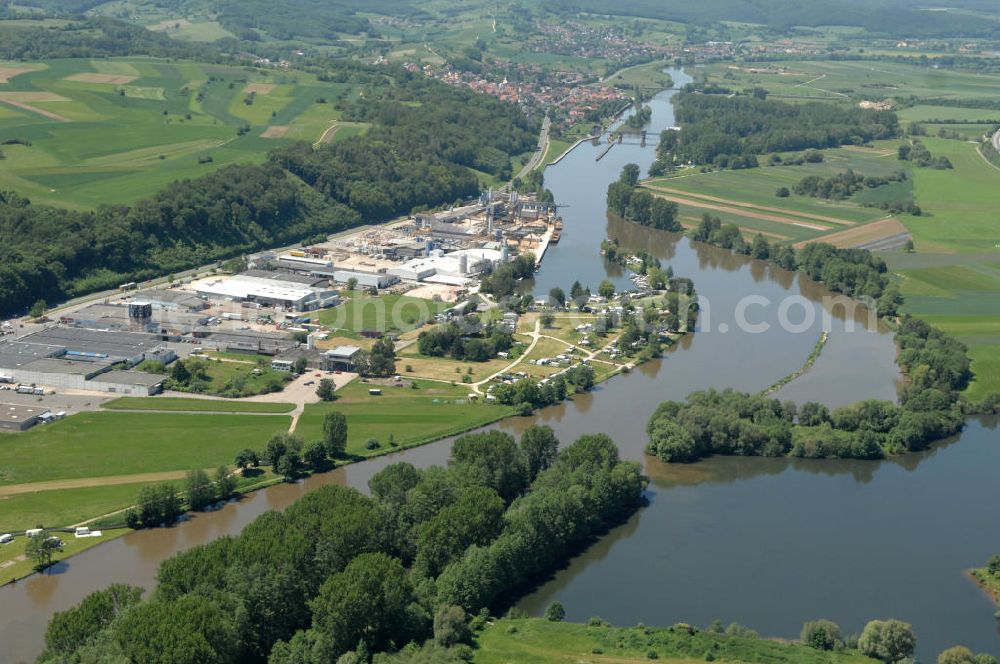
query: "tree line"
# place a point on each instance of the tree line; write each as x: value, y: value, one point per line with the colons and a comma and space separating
x: 339, y: 572
x: 844, y: 185
x: 630, y: 202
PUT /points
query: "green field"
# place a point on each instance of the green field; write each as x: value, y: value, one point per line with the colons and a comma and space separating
x: 410, y: 416
x: 947, y: 114
x: 206, y: 405
x: 384, y: 313
x: 538, y: 641
x: 103, y: 444
x: 842, y: 79
x: 114, y: 131
x: 64, y: 507
x: 953, y: 280
x: 748, y: 196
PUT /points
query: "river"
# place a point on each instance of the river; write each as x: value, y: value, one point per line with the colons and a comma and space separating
x: 849, y: 541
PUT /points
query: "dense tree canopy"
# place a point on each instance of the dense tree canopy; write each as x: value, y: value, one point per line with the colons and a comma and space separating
x: 338, y: 572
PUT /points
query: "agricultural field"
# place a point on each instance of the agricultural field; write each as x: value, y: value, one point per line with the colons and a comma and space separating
x: 747, y: 197
x: 384, y: 313
x: 953, y: 278
x: 843, y: 79
x: 80, y: 133
x: 409, y: 416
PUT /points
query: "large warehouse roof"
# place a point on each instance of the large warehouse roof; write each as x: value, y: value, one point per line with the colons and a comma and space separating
x: 245, y: 287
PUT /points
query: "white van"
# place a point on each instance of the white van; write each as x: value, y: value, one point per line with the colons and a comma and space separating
x: 6, y: 538
x: 33, y: 532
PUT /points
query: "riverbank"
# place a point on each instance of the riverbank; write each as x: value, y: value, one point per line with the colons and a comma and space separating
x: 989, y: 583
x: 540, y: 640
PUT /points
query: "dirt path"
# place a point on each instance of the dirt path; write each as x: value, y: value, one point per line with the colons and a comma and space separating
x: 741, y: 212
x: 535, y: 336
x: 853, y: 237
x: 88, y: 482
x: 32, y: 109
x: 763, y: 208
x: 328, y: 134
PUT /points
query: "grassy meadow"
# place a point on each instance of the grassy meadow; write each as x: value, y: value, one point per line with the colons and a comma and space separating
x: 539, y: 641
x: 107, y: 444
x: 410, y: 416
x: 80, y: 133
x: 747, y: 197
x: 383, y: 313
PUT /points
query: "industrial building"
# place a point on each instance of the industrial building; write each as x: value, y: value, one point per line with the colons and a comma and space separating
x: 244, y: 341
x: 83, y: 359
x: 341, y: 358
x: 366, y: 279
x: 165, y: 323
x: 17, y: 417
x: 280, y: 290
x: 457, y: 266
x: 173, y: 300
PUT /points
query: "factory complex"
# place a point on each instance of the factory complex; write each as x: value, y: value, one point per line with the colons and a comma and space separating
x: 264, y: 310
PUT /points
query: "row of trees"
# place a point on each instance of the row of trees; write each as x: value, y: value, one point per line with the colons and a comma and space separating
x: 854, y: 272
x: 639, y: 205
x: 844, y: 184
x: 339, y: 573
x: 917, y: 153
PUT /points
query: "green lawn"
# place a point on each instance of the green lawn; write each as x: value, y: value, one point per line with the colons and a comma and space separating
x: 64, y: 507
x: 538, y: 641
x: 383, y: 313
x: 412, y: 417
x: 101, y: 444
x: 207, y: 405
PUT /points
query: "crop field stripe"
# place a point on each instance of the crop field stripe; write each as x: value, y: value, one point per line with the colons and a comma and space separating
x: 752, y: 206
x: 853, y: 237
x: 742, y: 212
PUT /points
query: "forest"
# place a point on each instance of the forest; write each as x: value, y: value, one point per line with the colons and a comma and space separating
x: 339, y: 572
x: 725, y: 131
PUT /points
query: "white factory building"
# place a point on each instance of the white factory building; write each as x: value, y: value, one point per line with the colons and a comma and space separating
x: 267, y: 291
x: 454, y: 267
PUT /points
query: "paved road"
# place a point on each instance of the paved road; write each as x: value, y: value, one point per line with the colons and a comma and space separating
x: 543, y: 146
